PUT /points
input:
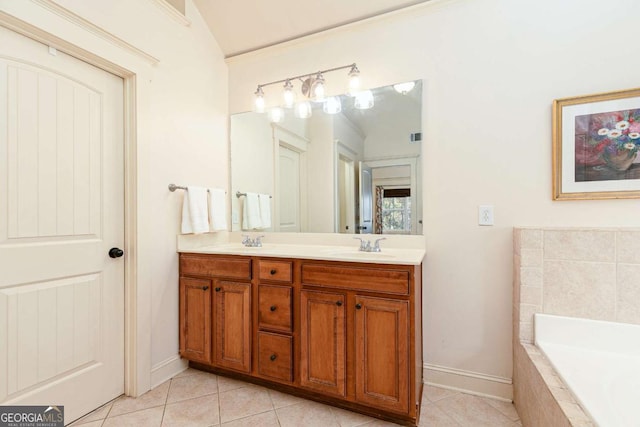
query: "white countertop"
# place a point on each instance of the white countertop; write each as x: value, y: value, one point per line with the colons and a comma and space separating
x: 317, y: 252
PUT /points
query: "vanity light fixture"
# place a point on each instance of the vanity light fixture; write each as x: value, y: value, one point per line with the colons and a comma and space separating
x: 259, y: 101
x: 288, y: 94
x: 276, y: 114
x: 363, y: 100
x: 332, y: 105
x: 354, y: 80
x: 405, y: 87
x: 313, y: 87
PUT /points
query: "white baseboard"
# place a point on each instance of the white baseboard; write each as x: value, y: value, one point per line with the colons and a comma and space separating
x: 469, y: 382
x: 166, y: 369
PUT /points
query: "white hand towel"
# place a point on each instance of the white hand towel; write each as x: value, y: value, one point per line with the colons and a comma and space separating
x: 265, y: 210
x: 251, y: 212
x: 195, y: 218
x: 217, y: 209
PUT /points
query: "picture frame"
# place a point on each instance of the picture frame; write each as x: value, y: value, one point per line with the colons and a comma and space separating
x: 596, y: 146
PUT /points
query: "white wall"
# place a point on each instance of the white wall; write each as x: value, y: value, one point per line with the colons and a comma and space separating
x: 181, y: 132
x: 491, y: 69
x: 320, y: 176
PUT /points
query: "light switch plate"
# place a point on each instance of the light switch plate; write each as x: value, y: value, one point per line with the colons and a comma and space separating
x: 485, y: 215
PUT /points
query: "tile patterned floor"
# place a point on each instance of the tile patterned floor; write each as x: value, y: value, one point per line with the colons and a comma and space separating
x: 195, y: 398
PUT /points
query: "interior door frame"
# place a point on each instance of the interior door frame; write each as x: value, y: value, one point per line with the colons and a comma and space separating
x: 341, y: 150
x: 135, y: 351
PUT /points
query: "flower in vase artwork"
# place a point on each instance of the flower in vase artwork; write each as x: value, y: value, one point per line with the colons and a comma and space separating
x: 607, y: 145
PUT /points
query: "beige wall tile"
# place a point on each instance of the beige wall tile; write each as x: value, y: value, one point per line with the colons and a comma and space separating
x: 628, y: 293
x: 531, y: 239
x: 531, y: 257
x: 579, y: 289
x: 580, y: 245
x: 531, y: 276
x: 628, y: 246
x: 531, y: 295
x: 526, y: 332
x: 527, y: 311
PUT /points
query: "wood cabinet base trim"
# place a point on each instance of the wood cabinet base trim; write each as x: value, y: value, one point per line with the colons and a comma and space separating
x: 306, y: 394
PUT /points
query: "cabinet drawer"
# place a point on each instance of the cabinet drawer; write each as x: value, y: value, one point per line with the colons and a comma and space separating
x: 275, y: 270
x: 274, y: 307
x: 213, y: 266
x: 274, y: 356
x: 372, y: 279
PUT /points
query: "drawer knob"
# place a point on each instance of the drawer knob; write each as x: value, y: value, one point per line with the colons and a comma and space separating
x: 218, y: 289
x: 204, y: 288
x: 273, y: 357
x: 273, y: 271
x: 358, y: 306
x: 339, y: 303
x: 273, y: 308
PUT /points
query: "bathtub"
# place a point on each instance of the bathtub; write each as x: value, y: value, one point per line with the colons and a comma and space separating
x: 599, y: 362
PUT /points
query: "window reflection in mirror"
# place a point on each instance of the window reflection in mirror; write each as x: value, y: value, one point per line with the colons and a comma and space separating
x: 357, y: 171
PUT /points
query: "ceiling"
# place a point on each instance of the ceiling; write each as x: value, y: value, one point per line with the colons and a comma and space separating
x: 242, y: 26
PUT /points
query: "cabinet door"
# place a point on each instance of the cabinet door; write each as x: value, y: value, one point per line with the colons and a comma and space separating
x: 195, y: 319
x: 232, y: 313
x: 382, y: 353
x: 323, y: 342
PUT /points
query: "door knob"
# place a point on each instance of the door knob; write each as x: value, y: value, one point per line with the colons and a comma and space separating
x: 116, y: 252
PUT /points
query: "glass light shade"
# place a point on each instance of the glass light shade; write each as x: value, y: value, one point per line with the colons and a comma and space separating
x: 354, y: 80
x: 332, y: 105
x: 303, y: 110
x: 405, y: 87
x: 276, y: 114
x: 318, y: 88
x: 259, y: 101
x: 363, y: 100
x: 289, y: 95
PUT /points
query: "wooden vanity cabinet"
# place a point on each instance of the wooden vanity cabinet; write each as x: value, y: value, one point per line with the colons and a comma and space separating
x: 195, y: 319
x: 343, y: 333
x: 219, y: 333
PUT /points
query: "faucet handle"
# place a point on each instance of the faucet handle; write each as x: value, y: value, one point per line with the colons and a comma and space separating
x: 245, y: 239
x: 363, y: 243
x: 376, y: 246
x: 258, y: 241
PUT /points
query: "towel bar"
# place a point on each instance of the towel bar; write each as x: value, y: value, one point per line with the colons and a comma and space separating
x: 239, y: 194
x: 173, y: 187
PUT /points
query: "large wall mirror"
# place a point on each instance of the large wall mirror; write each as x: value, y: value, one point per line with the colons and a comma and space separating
x: 357, y: 171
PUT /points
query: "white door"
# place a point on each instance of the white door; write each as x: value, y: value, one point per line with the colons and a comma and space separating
x: 288, y: 190
x: 61, y: 210
x: 365, y: 187
x: 346, y: 196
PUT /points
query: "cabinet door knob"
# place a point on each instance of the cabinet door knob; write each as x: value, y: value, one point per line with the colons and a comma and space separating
x: 218, y: 289
x: 358, y: 306
x: 204, y: 288
x: 273, y: 357
x: 339, y: 303
x: 273, y: 271
x: 273, y: 308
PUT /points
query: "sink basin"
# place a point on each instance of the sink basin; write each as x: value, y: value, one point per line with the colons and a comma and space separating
x: 358, y: 254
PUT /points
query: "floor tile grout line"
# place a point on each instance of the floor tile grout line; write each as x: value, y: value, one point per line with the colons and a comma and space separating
x: 166, y: 398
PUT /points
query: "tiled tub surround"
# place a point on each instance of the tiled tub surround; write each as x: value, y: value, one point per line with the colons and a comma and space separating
x: 575, y: 272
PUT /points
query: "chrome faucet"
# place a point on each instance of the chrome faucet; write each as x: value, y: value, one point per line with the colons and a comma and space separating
x: 252, y: 243
x: 365, y: 245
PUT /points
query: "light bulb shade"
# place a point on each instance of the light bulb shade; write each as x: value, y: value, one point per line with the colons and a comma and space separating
x: 363, y: 100
x: 303, y: 110
x: 405, y: 87
x: 354, y: 81
x: 318, y: 89
x: 276, y: 114
x: 259, y: 101
x: 332, y: 105
x: 289, y: 95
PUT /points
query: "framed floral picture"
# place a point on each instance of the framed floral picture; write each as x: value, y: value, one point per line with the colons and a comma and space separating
x: 596, y: 139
